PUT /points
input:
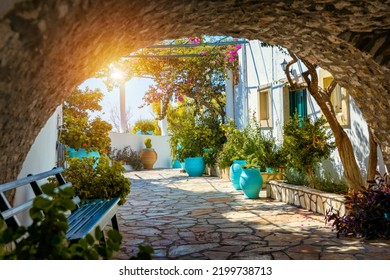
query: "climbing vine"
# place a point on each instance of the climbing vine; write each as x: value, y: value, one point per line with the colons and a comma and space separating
x: 197, y: 73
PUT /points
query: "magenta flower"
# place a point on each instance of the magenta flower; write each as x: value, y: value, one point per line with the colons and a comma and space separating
x: 180, y: 98
x: 196, y: 40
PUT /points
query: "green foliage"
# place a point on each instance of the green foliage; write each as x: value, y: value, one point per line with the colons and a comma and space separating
x: 251, y: 144
x: 145, y: 126
x: 232, y: 148
x: 79, y: 130
x: 324, y: 182
x: 45, y: 238
x: 104, y: 181
x: 328, y: 183
x: 128, y: 156
x: 200, y: 78
x: 145, y: 253
x: 194, y: 134
x: 148, y: 143
x: 307, y: 143
x: 296, y: 177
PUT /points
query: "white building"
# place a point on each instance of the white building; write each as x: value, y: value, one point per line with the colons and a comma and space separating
x: 262, y: 90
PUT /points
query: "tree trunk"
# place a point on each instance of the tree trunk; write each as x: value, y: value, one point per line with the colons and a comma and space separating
x: 373, y: 157
x: 352, y: 174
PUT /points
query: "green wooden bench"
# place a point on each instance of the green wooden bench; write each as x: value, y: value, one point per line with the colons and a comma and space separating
x: 82, y: 221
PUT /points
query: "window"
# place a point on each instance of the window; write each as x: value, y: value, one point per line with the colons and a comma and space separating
x: 264, y: 106
x: 298, y: 103
x: 340, y: 101
x: 264, y: 114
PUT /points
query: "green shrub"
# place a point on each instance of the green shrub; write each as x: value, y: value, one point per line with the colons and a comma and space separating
x: 329, y: 184
x: 252, y: 145
x: 307, y: 142
x: 104, y: 181
x: 145, y: 126
x: 128, y: 156
x: 295, y: 177
x: 232, y: 148
x: 193, y: 135
x: 325, y: 182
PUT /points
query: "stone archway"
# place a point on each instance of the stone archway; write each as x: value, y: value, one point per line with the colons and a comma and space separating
x: 47, y: 48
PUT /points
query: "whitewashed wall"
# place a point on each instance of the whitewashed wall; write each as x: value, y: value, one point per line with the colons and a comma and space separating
x: 136, y: 142
x: 41, y: 157
x: 260, y: 67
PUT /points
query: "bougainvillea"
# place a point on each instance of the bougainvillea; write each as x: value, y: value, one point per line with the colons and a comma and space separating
x: 197, y: 72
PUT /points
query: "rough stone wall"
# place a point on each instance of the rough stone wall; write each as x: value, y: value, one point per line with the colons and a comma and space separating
x: 49, y: 47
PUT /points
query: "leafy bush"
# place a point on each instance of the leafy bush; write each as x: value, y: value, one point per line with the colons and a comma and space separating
x: 232, y: 148
x: 368, y: 212
x: 307, y: 142
x: 250, y: 144
x: 79, y: 130
x: 46, y: 239
x: 329, y: 184
x: 325, y: 183
x: 104, y: 181
x: 145, y: 126
x: 128, y: 156
x: 295, y: 177
x: 194, y: 135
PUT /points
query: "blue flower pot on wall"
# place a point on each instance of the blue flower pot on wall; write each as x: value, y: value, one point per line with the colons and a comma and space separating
x: 176, y: 164
x: 82, y: 153
x: 194, y: 166
x: 235, y: 173
x: 251, y: 182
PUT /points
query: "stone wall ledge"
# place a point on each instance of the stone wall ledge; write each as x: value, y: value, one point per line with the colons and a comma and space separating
x: 304, y: 197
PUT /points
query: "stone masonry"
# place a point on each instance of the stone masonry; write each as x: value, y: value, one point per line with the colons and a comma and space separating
x: 47, y: 48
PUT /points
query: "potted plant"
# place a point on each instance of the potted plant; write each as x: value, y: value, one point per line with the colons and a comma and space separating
x: 103, y: 181
x: 148, y: 154
x: 146, y: 127
x: 251, y: 181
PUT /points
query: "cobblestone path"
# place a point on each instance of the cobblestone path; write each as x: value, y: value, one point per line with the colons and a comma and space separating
x: 205, y: 218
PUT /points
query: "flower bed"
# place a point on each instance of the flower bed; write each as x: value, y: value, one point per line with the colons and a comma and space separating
x: 307, y: 198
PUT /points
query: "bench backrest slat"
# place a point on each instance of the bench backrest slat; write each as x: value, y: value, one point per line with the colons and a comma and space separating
x: 29, y: 179
x: 9, y: 212
x: 17, y: 209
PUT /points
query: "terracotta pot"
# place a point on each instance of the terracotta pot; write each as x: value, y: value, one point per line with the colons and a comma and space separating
x: 148, y: 158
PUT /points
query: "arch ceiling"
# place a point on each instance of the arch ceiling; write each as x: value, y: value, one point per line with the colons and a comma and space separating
x: 47, y: 48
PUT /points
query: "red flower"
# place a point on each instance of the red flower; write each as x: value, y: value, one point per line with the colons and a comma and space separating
x: 85, y: 145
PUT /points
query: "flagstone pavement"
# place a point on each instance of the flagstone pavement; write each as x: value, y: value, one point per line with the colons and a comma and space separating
x: 205, y: 218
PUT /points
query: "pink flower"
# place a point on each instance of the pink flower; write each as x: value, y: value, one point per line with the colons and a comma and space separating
x: 196, y: 40
x: 180, y: 98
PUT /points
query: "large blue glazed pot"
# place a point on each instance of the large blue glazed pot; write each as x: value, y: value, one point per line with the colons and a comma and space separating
x: 194, y: 166
x: 251, y: 182
x: 235, y: 172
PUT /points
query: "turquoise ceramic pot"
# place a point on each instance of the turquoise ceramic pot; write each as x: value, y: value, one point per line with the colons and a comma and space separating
x: 251, y: 182
x: 176, y: 164
x: 82, y: 153
x: 235, y: 173
x: 194, y: 166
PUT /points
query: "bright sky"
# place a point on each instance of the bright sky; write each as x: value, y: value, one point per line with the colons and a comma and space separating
x: 135, y: 90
